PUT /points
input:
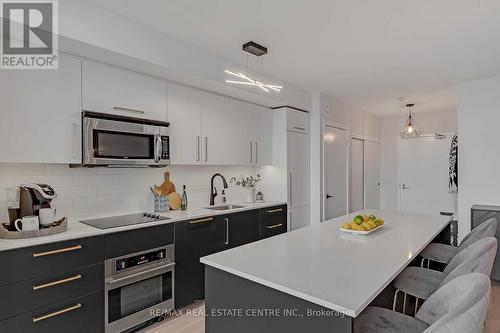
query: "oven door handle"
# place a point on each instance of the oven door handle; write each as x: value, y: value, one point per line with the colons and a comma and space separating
x: 135, y: 277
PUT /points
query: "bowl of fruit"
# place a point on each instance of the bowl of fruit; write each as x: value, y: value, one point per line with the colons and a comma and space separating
x: 362, y: 224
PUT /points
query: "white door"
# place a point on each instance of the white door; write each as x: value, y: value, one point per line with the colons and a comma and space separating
x: 423, y: 170
x: 184, y: 115
x: 298, y: 217
x: 298, y: 169
x: 356, y: 186
x: 372, y: 174
x: 334, y: 172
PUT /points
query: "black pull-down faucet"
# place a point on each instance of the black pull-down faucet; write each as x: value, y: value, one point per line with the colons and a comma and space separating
x: 213, y: 190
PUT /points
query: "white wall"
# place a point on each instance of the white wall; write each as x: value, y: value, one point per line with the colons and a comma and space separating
x: 429, y: 122
x: 358, y: 122
x: 89, y: 193
x: 479, y: 149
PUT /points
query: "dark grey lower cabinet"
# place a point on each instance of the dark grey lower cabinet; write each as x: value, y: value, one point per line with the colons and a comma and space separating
x: 42, y: 292
x: 200, y: 237
x: 241, y: 228
x: 55, y: 287
x: 195, y: 239
x: 273, y: 221
x: 80, y: 315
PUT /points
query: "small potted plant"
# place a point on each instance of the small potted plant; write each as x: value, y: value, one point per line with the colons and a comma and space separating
x: 247, y: 183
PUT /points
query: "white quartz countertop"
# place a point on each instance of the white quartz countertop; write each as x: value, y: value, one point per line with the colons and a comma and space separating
x: 323, y: 265
x: 79, y: 230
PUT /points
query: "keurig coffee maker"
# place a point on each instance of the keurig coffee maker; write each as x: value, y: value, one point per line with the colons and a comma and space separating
x: 32, y: 197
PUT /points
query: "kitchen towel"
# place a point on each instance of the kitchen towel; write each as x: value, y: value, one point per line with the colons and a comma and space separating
x: 453, y: 170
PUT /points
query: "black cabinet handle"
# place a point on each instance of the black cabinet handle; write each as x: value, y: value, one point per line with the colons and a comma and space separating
x: 275, y: 210
x: 273, y: 226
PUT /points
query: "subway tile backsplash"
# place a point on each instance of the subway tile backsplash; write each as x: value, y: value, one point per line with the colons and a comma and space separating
x: 88, y: 193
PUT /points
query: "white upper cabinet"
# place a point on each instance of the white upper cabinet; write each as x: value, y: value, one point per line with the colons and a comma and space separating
x: 207, y: 128
x: 40, y: 114
x: 261, y: 130
x: 224, y: 131
x: 113, y: 90
x: 184, y: 115
x: 297, y: 121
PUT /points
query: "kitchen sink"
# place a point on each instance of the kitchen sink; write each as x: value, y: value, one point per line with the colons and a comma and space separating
x: 225, y: 207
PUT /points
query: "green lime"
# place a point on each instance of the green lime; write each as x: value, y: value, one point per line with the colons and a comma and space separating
x: 358, y: 219
x: 372, y: 217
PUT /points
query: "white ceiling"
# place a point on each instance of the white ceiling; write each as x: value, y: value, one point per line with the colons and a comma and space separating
x: 366, y: 53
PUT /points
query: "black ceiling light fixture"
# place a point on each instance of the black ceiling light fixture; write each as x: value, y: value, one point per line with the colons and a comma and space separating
x: 254, y: 48
x: 257, y: 50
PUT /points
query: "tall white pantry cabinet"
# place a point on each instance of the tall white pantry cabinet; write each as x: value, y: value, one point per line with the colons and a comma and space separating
x: 291, y: 153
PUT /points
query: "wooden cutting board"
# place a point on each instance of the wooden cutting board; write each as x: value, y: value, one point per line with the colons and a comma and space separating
x: 174, y: 201
x: 167, y: 187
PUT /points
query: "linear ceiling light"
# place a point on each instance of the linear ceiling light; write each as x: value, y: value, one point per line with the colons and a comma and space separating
x: 248, y: 81
x: 256, y: 50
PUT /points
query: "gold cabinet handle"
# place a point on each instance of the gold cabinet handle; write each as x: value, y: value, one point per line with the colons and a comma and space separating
x: 273, y: 226
x: 275, y: 210
x: 55, y: 283
x: 201, y: 221
x: 48, y: 253
x: 57, y: 313
x: 227, y: 232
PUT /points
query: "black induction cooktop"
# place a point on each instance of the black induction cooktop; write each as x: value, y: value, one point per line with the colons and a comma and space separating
x: 124, y: 220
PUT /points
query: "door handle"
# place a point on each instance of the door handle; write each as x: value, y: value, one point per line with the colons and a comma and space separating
x: 328, y: 196
x: 290, y: 188
x: 405, y: 187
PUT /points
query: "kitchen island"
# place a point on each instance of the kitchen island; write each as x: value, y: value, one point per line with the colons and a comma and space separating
x: 315, y: 279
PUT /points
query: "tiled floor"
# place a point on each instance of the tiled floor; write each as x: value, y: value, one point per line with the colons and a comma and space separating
x: 191, y: 320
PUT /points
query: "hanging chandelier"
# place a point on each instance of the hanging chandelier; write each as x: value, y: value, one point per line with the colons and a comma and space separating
x: 256, y: 50
x: 410, y: 130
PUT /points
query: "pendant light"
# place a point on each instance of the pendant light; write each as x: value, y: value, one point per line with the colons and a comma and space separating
x: 258, y: 51
x: 410, y: 130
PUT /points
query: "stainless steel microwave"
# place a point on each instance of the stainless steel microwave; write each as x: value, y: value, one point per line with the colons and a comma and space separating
x: 119, y: 141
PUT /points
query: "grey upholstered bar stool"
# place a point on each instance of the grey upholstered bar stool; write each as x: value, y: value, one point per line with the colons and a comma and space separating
x: 459, y: 306
x: 422, y: 282
x: 443, y: 253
